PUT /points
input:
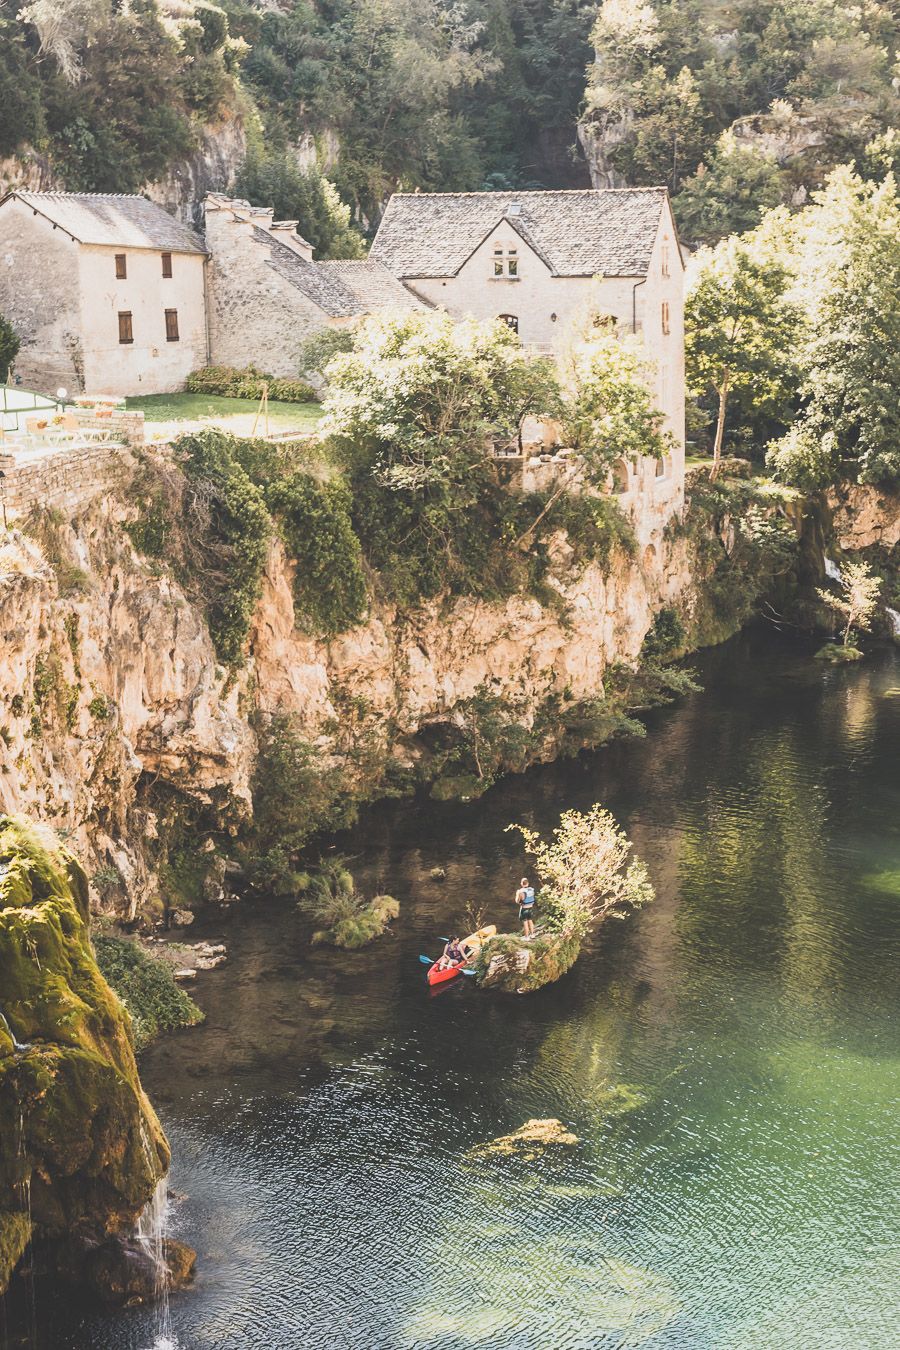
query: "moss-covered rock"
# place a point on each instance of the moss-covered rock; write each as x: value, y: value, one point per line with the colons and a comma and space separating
x: 518, y: 965
x: 82, y: 1147
x: 837, y: 655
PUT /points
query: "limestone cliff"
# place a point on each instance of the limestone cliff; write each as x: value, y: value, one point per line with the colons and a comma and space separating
x: 82, y: 1150
x: 115, y: 715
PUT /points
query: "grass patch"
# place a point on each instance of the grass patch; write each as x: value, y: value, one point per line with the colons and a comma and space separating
x: 147, y: 987
x: 193, y: 407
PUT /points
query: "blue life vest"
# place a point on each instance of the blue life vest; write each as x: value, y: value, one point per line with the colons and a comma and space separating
x: 528, y: 898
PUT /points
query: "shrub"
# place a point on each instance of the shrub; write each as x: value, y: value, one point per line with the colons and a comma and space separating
x: 666, y: 636
x: 350, y: 920
x: 147, y: 987
x: 229, y: 382
x: 329, y: 584
x: 226, y: 537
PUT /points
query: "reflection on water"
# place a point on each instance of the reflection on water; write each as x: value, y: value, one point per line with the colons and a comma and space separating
x: 729, y: 1059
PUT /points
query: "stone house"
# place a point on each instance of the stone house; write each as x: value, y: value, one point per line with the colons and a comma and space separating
x: 266, y: 295
x: 107, y: 292
x: 538, y: 260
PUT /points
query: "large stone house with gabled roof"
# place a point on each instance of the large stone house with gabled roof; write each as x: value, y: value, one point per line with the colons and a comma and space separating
x: 538, y: 259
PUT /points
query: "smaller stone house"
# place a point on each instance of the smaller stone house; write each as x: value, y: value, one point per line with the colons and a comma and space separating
x: 267, y: 296
x: 107, y: 292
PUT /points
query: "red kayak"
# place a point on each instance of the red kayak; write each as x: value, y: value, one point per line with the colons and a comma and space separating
x: 472, y: 945
x: 434, y: 975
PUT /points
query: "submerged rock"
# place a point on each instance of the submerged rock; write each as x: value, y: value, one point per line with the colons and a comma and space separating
x: 529, y: 1141
x: 82, y: 1149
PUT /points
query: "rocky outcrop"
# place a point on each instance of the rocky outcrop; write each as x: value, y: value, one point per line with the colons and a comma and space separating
x: 865, y: 516
x: 82, y: 1150
x: 529, y: 1142
x: 517, y: 965
x: 211, y: 167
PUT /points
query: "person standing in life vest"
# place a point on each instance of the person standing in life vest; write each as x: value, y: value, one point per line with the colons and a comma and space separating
x: 525, y: 901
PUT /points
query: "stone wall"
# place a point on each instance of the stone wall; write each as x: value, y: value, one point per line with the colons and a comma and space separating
x: 40, y: 296
x: 256, y: 317
x: 67, y: 480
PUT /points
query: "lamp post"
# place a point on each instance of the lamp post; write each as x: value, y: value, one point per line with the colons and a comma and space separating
x: 61, y: 396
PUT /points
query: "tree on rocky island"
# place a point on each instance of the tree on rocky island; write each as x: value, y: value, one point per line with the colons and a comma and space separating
x: 585, y: 872
x: 586, y: 876
x: 858, y: 598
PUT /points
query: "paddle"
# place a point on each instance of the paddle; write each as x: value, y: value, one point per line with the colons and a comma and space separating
x: 427, y: 960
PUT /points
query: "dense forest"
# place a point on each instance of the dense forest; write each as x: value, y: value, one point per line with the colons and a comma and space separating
x: 736, y: 106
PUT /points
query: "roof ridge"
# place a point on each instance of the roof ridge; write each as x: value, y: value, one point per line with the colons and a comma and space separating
x: 513, y: 193
x: 129, y: 196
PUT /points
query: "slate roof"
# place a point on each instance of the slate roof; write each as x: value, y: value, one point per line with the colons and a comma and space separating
x: 115, y: 219
x: 608, y: 232
x: 374, y: 286
x: 341, y: 289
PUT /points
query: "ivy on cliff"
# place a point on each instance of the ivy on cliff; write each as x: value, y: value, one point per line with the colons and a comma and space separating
x: 225, y: 539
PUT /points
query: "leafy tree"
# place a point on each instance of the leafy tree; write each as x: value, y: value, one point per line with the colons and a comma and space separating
x: 9, y: 346
x: 418, y: 395
x: 730, y: 195
x: 739, y: 329
x: 849, y: 280
x: 585, y: 872
x: 858, y: 598
x: 608, y: 410
x: 274, y: 178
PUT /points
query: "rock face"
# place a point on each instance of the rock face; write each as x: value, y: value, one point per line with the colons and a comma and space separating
x: 82, y: 1150
x: 111, y: 696
x: 864, y: 516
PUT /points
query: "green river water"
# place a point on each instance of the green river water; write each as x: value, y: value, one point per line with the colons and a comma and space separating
x: 729, y: 1059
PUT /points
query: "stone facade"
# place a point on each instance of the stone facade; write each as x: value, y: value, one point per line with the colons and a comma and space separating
x: 256, y: 315
x: 544, y: 293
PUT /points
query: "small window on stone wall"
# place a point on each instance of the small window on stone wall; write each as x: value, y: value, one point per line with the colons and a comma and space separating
x: 661, y: 468
x: 125, y: 331
x: 121, y: 267
x: 511, y: 321
x: 167, y: 264
x: 665, y: 316
x: 171, y: 325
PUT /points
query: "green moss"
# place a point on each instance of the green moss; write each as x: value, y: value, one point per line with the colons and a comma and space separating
x: 91, y: 1145
x: 15, y: 1235
x: 837, y: 655
x: 147, y: 987
x: 521, y: 967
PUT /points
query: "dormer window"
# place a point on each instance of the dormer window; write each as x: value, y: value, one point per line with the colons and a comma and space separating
x: 514, y: 209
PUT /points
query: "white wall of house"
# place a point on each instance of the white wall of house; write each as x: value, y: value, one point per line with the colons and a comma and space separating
x: 151, y: 363
x: 544, y: 305
x: 41, y: 298
x: 255, y: 315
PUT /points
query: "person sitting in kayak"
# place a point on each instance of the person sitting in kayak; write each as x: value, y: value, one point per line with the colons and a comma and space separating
x: 525, y: 901
x: 453, y: 954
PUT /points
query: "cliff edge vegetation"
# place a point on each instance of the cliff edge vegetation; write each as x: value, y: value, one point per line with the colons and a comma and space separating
x: 82, y: 1149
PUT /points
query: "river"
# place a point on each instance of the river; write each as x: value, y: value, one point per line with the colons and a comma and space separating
x: 728, y: 1057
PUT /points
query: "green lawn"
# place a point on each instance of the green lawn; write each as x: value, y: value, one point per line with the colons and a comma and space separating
x: 236, y: 414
